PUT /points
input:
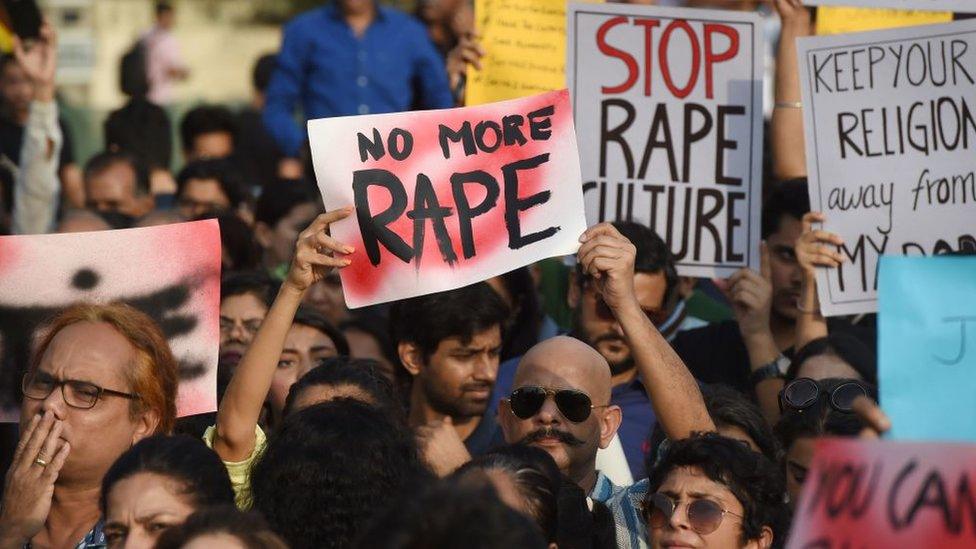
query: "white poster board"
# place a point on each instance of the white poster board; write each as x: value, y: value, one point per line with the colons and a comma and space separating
x: 668, y: 110
x: 890, y: 148
x: 962, y: 6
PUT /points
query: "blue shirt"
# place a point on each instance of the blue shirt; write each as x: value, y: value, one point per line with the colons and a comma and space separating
x: 624, y: 504
x: 329, y: 71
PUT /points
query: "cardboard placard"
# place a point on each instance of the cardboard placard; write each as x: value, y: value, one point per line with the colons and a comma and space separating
x: 838, y: 20
x: 451, y: 197
x: 883, y: 494
x: 170, y: 272
x: 927, y: 346
x: 890, y: 127
x: 668, y: 110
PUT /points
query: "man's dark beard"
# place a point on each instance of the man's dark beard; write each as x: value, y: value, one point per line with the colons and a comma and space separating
x: 619, y: 367
x: 547, y: 432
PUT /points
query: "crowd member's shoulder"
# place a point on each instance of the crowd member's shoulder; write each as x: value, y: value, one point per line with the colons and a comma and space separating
x: 310, y: 20
x: 402, y: 20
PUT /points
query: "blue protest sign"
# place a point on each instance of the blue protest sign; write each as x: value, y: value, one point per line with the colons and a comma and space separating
x: 927, y: 346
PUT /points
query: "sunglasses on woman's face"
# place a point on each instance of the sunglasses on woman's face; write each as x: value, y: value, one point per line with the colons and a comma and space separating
x: 704, y: 515
x: 574, y: 405
x: 802, y: 393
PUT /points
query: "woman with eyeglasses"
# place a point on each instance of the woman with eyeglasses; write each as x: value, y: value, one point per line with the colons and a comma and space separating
x: 156, y: 485
x: 101, y: 379
x: 811, y: 410
x: 709, y: 491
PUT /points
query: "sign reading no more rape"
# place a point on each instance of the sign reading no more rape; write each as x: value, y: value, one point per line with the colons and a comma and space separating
x: 451, y: 197
x: 668, y: 107
x: 890, y: 128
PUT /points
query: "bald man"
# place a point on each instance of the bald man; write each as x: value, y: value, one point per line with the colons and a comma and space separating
x: 560, y: 399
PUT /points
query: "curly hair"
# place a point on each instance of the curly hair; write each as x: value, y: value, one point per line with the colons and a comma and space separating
x: 329, y: 469
x: 185, y: 459
x: 451, y: 515
x: 534, y: 474
x: 362, y: 373
x: 753, y: 479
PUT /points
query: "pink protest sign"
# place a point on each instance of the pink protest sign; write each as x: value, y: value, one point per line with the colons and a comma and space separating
x: 170, y: 272
x: 883, y: 494
x: 447, y: 198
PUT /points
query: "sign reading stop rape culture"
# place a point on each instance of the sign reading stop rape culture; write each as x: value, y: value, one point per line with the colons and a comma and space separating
x: 874, y: 494
x: 668, y: 106
x: 451, y: 197
x: 890, y: 128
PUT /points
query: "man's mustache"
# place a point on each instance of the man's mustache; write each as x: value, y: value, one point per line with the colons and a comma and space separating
x: 549, y: 432
x: 609, y: 336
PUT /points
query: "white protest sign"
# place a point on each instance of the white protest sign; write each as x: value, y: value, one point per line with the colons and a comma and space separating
x: 668, y: 110
x: 962, y: 6
x: 890, y: 127
x: 451, y: 197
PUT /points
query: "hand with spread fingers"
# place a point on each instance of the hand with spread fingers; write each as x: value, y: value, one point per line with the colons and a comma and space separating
x: 467, y: 52
x: 317, y: 253
x: 29, y: 487
x: 608, y: 257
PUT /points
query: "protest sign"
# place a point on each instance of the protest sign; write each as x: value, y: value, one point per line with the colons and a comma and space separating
x: 961, y: 6
x: 525, y: 49
x: 170, y: 272
x: 927, y: 346
x: 668, y: 108
x: 890, y: 127
x: 451, y: 197
x: 840, y: 20
x: 873, y: 494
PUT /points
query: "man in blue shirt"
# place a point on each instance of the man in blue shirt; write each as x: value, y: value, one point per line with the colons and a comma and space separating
x: 352, y: 57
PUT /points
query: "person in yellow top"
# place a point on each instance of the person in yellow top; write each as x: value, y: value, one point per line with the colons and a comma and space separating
x: 237, y: 438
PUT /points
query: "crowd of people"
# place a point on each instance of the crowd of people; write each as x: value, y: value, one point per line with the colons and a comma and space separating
x: 601, y: 401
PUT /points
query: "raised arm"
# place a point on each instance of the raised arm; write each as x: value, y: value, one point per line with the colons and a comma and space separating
x: 608, y: 257
x: 814, y: 249
x: 789, y: 156
x: 316, y: 253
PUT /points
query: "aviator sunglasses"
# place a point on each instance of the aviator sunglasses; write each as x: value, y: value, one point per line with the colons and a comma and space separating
x: 574, y: 405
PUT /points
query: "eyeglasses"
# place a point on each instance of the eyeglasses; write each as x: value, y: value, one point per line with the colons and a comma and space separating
x: 574, y: 405
x: 704, y: 515
x: 250, y: 326
x: 76, y: 393
x: 802, y: 393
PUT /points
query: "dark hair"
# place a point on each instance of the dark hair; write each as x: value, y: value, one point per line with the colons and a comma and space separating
x: 788, y: 198
x: 250, y: 529
x: 256, y: 283
x: 329, y: 468
x: 753, y: 479
x: 535, y: 475
x: 219, y: 169
x: 846, y: 347
x: 279, y: 199
x: 523, y: 332
x: 106, y: 159
x: 652, y: 256
x: 263, y: 69
x: 163, y: 7
x: 141, y: 129
x: 363, y: 373
x: 373, y: 325
x: 818, y: 420
x: 237, y: 240
x: 451, y: 515
x: 307, y: 316
x: 187, y: 460
x: 427, y: 320
x: 206, y: 119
